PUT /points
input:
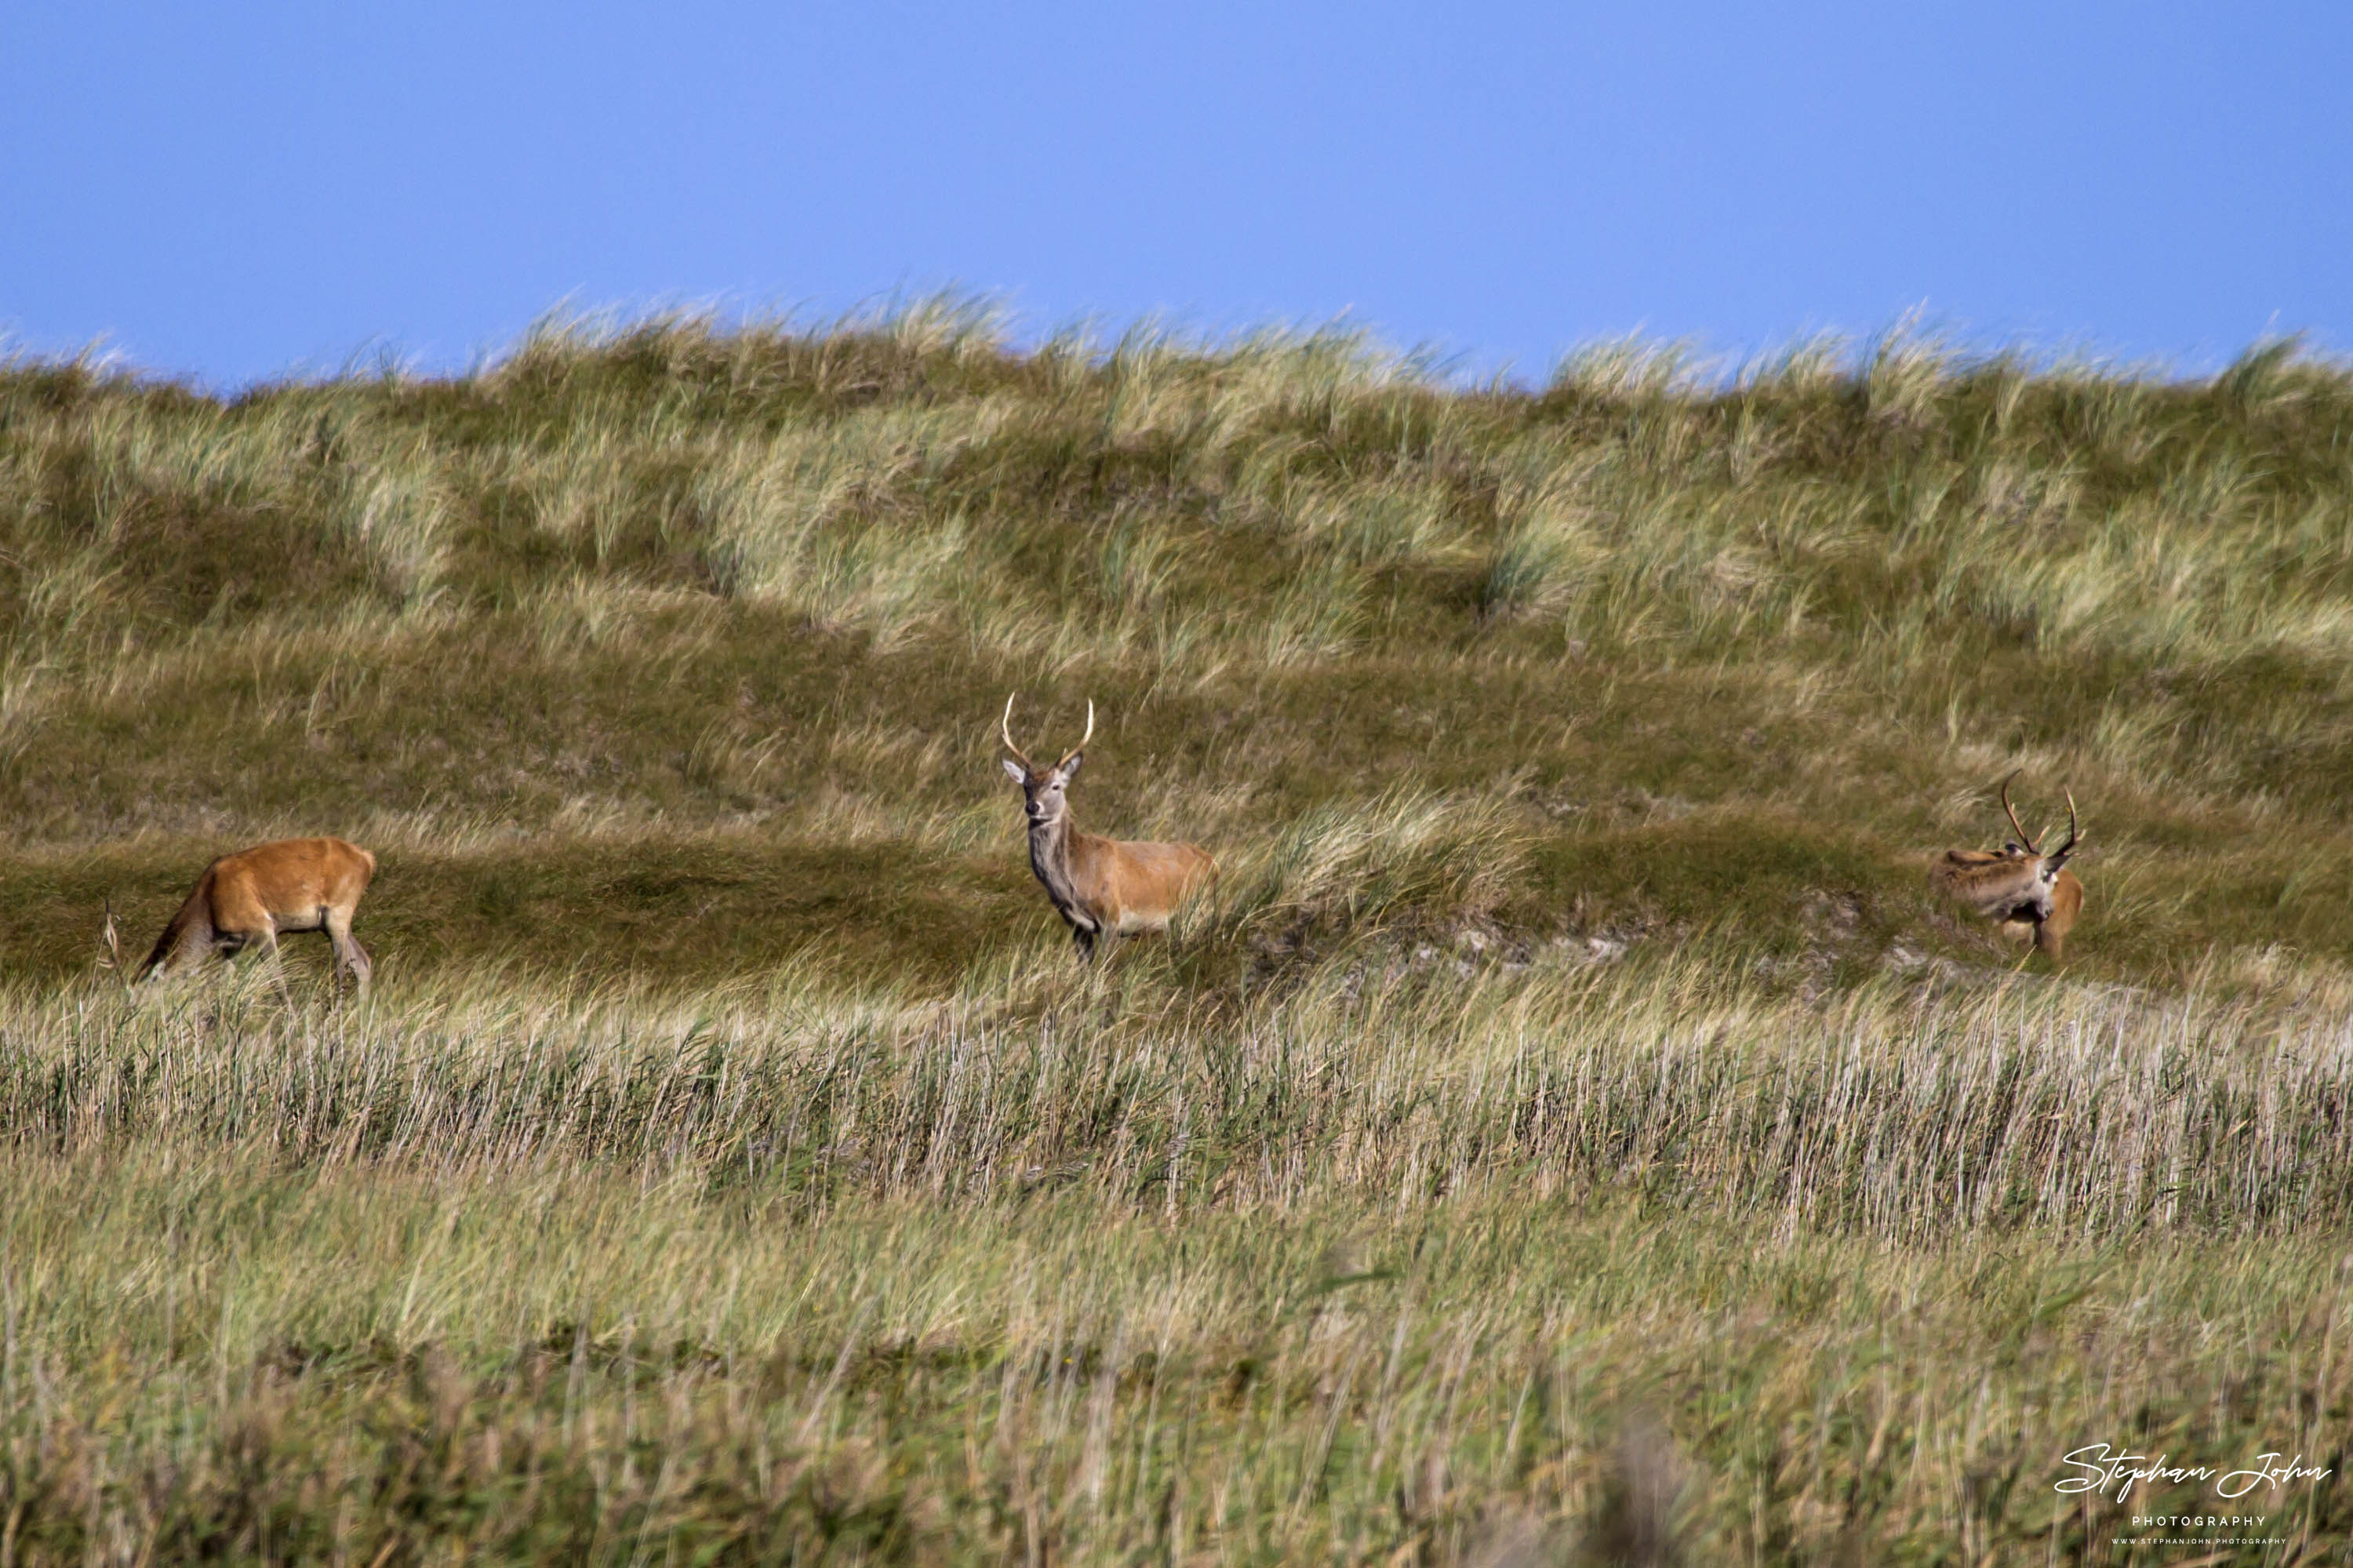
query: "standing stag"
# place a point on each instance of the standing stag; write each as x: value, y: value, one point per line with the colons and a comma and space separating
x: 2031, y: 896
x: 255, y: 896
x: 1101, y: 886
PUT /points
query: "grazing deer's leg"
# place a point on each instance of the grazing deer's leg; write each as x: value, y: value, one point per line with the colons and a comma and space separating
x: 276, y: 962
x: 349, y: 954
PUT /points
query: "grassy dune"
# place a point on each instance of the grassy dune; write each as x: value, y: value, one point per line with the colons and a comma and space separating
x: 1571, y: 1132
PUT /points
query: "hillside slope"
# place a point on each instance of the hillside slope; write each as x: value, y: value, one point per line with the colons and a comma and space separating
x: 664, y: 651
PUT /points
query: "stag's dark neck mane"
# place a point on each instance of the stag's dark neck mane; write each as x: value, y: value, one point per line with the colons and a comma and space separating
x: 1050, y: 857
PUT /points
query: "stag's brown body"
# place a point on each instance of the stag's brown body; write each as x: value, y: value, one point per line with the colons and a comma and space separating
x: 259, y: 895
x: 2029, y: 895
x: 1100, y: 886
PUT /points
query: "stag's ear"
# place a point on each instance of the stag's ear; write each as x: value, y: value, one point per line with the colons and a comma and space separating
x: 1070, y: 767
x: 1014, y: 770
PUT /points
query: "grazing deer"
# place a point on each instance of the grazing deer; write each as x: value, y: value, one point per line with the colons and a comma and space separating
x: 1101, y: 886
x: 2029, y: 895
x: 294, y: 884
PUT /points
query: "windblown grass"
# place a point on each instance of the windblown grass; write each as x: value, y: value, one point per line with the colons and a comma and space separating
x: 1081, y: 1265
x: 1568, y: 1132
x: 1906, y: 1113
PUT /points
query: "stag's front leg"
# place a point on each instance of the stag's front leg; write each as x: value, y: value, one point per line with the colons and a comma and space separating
x: 276, y: 962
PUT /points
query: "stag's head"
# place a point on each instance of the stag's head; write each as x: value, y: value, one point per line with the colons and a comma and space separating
x: 1042, y: 789
x: 2024, y: 848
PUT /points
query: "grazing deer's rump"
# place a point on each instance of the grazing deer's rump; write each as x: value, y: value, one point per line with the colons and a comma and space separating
x: 1100, y: 886
x: 2029, y: 895
x: 257, y: 895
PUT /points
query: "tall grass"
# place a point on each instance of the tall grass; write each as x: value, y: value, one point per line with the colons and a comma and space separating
x: 1076, y: 1266
x: 583, y: 1369
x: 1902, y: 1114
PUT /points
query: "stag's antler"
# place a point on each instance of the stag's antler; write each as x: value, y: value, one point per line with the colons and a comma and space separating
x: 2023, y: 836
x: 1083, y: 740
x: 1005, y: 728
x: 2063, y: 851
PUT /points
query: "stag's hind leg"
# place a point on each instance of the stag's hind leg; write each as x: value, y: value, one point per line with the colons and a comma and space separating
x: 349, y: 954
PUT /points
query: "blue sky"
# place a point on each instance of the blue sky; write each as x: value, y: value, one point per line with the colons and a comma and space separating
x: 236, y: 191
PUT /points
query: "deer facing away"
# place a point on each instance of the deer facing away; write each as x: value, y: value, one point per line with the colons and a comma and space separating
x: 257, y: 895
x: 2028, y: 894
x: 1100, y: 886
